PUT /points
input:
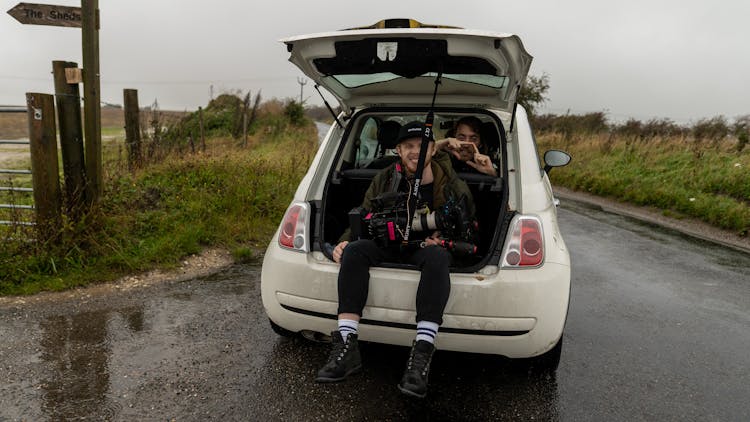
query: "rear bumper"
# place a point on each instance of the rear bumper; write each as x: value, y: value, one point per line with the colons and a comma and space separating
x: 515, y: 313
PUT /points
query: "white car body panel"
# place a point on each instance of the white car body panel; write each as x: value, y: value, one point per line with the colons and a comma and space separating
x: 512, y: 300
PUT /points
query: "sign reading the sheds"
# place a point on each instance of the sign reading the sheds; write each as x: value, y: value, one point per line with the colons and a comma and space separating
x: 47, y: 14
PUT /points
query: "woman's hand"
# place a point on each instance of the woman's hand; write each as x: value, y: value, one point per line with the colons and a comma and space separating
x: 483, y: 164
x: 339, y: 250
x: 434, y: 239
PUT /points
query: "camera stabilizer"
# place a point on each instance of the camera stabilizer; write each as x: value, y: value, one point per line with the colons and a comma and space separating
x: 387, y: 223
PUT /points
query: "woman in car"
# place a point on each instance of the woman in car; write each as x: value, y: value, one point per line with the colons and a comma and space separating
x: 467, y: 151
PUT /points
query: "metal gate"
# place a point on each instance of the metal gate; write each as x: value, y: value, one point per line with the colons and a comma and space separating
x: 14, y: 210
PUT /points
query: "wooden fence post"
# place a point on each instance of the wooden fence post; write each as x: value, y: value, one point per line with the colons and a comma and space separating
x: 200, y: 122
x: 44, y: 167
x: 71, y: 137
x: 132, y: 127
x: 245, y: 106
x: 244, y: 129
x: 91, y: 98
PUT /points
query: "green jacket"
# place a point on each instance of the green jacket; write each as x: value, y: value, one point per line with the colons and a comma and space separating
x: 446, y: 185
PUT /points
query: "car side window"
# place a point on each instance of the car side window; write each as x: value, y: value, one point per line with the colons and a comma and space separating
x: 368, y: 143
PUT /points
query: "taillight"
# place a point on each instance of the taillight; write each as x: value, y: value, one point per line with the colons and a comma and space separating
x: 292, y: 234
x: 525, y: 244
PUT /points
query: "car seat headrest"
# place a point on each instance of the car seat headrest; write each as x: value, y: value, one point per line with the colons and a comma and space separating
x: 388, y: 134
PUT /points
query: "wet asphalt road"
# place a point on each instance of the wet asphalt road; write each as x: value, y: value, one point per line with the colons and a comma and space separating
x: 658, y: 330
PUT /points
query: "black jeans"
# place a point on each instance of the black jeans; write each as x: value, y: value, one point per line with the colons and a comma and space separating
x: 434, y: 283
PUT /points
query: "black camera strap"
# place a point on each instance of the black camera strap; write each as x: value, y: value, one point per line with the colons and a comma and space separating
x: 426, y: 136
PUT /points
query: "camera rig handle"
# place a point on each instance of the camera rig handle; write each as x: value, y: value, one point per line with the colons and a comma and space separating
x: 426, y: 136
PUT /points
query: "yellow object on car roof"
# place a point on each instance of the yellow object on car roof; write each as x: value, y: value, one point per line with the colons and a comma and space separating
x: 401, y: 23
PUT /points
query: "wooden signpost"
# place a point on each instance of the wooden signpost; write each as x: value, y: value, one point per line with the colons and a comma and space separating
x: 85, y: 17
x: 47, y: 14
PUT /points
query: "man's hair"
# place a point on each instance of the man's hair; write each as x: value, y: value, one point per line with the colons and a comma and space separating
x: 471, y: 121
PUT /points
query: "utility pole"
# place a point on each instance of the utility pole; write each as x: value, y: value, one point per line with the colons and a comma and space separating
x: 302, y: 82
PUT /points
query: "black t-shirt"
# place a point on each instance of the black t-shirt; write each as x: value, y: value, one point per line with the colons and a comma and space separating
x: 426, y: 195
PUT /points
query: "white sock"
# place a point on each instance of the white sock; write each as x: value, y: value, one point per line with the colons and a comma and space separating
x: 427, y: 330
x: 347, y: 326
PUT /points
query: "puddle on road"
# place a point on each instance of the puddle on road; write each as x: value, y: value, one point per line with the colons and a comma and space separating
x: 76, y: 350
x: 76, y: 364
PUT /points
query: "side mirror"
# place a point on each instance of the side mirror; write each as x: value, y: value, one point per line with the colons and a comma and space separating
x: 555, y: 158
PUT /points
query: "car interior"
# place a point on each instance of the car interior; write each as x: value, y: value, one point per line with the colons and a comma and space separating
x: 368, y: 147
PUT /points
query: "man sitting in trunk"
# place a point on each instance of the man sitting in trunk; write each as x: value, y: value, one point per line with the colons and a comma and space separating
x: 439, y: 186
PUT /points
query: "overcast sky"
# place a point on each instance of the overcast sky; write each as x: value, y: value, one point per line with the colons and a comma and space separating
x: 682, y: 60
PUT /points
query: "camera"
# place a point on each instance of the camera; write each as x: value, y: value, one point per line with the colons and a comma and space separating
x: 387, y: 222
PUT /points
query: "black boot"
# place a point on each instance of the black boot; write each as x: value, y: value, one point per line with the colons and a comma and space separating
x: 414, y: 381
x: 343, y: 360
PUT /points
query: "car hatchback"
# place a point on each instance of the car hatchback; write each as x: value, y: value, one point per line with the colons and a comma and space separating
x: 510, y: 295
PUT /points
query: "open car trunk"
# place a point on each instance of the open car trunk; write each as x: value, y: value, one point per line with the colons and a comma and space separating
x: 369, y: 67
x: 367, y: 148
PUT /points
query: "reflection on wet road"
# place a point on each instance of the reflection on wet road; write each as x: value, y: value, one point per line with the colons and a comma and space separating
x: 76, y: 350
x: 657, y: 330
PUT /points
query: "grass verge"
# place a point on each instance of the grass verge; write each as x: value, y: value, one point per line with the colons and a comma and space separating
x: 680, y: 175
x: 230, y: 196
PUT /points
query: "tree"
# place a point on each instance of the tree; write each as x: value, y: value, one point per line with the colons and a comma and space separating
x: 295, y: 112
x: 741, y: 130
x: 534, y: 92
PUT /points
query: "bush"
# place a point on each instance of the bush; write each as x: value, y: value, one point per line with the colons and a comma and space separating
x: 295, y: 113
x: 569, y: 124
x: 219, y: 119
x: 654, y: 128
x: 713, y: 129
x: 741, y: 129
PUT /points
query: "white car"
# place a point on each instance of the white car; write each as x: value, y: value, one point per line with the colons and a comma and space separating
x: 511, y: 297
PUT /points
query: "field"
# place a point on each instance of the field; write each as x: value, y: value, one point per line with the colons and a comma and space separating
x: 16, y: 125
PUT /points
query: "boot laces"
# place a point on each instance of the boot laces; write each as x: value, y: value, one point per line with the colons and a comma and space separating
x: 419, y: 361
x: 338, y: 350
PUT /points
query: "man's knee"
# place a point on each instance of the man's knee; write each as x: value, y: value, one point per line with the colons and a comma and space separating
x: 359, y: 250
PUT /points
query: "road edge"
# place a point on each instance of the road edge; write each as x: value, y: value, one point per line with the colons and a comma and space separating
x: 687, y: 226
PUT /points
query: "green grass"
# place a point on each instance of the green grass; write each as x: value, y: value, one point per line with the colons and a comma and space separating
x: 684, y: 178
x: 113, y: 132
x: 228, y: 196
